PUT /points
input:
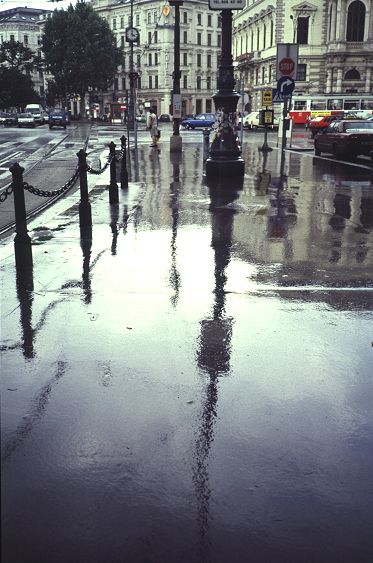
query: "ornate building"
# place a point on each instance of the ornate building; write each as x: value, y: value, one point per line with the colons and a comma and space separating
x: 335, y: 39
x: 25, y: 25
x: 200, y: 43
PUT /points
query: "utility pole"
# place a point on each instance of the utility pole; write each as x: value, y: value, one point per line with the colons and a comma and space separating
x: 132, y: 36
x: 176, y: 140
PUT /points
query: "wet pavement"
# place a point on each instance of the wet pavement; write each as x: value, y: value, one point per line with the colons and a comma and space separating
x: 194, y: 384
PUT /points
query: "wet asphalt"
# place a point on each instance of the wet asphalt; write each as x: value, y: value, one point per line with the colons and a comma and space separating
x: 194, y: 383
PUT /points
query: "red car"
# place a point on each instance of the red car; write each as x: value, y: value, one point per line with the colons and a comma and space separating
x: 346, y: 138
x: 320, y: 123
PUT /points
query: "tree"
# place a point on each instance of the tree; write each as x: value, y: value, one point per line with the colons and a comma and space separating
x: 16, y: 88
x: 16, y: 56
x: 80, y: 50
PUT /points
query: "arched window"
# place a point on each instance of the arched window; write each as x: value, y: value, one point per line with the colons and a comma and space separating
x: 355, y: 21
x: 352, y: 74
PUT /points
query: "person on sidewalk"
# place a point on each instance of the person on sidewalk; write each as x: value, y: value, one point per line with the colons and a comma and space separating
x: 152, y: 126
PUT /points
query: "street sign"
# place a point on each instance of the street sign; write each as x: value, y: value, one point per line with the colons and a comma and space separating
x: 267, y: 97
x: 277, y: 98
x: 285, y: 86
x: 227, y: 4
x: 176, y: 105
x: 287, y: 60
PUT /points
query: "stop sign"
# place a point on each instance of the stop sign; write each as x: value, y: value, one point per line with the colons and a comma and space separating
x: 286, y: 66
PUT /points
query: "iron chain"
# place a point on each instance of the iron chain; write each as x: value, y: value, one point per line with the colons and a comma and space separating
x: 101, y: 170
x: 4, y: 194
x: 48, y: 193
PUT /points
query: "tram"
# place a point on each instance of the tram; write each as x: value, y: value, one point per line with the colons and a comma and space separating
x: 306, y: 107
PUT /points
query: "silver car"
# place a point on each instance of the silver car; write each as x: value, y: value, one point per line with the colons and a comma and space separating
x: 26, y: 120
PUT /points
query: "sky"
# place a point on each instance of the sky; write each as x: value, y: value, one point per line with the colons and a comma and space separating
x: 44, y: 4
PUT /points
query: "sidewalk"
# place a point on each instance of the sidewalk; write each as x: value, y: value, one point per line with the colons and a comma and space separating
x: 175, y: 388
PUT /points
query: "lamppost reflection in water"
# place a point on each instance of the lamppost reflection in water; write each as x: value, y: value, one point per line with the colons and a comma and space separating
x: 114, y: 218
x: 213, y: 353
x: 86, y: 245
x: 175, y: 186
x: 25, y: 294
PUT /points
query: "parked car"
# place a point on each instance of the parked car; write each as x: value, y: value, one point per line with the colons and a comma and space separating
x: 8, y: 119
x: 320, y: 123
x: 26, y: 120
x: 346, y: 138
x: 165, y: 118
x: 141, y: 118
x: 38, y: 112
x: 251, y: 121
x: 200, y: 120
x: 58, y: 117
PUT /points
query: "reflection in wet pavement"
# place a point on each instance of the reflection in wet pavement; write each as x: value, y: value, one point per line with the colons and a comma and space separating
x: 212, y: 349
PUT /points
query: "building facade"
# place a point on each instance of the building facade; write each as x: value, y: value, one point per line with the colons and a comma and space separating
x: 335, y: 39
x: 25, y: 25
x: 153, y: 60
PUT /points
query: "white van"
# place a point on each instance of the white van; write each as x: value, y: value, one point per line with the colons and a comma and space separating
x: 37, y: 111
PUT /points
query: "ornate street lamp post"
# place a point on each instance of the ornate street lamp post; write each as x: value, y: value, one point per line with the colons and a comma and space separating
x: 176, y: 141
x: 225, y: 151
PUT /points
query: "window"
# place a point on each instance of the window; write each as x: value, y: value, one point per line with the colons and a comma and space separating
x: 263, y: 74
x: 252, y: 41
x: 264, y: 36
x: 219, y: 40
x: 185, y: 59
x: 149, y: 37
x: 355, y: 21
x: 302, y: 72
x: 137, y: 20
x: 208, y: 83
x: 122, y: 22
x: 219, y: 22
x: 150, y: 60
x: 138, y: 61
x: 199, y: 39
x: 114, y: 23
x: 150, y: 82
x: 25, y: 40
x: 156, y: 81
x: 185, y: 37
x: 271, y: 35
x: 185, y: 82
x: 209, y: 39
x: 39, y: 40
x: 185, y: 17
x: 12, y: 38
x: 155, y: 16
x: 149, y: 17
x: 209, y: 106
x: 122, y: 41
x: 156, y: 36
x: 139, y: 83
x: 116, y: 85
x: 156, y: 59
x: 257, y: 39
x: 199, y: 60
x: 123, y: 83
x: 256, y: 76
x: 302, y: 30
x: 270, y: 71
x: 199, y: 19
x: 198, y: 82
x: 209, y: 18
x: 335, y: 104
x: 208, y: 61
x: 352, y: 74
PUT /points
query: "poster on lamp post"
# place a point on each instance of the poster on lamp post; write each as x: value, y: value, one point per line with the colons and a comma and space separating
x: 227, y: 4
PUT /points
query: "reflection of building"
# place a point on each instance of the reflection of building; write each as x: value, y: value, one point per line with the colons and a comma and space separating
x: 25, y: 25
x: 200, y: 44
x: 335, y: 40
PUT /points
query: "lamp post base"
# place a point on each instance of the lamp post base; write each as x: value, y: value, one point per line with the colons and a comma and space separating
x: 176, y: 143
x: 223, y: 166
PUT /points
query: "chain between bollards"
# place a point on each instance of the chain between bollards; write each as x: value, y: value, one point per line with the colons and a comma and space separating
x: 123, y: 167
x: 113, y: 187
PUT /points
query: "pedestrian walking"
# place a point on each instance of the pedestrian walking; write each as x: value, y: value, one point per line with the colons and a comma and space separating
x: 152, y: 126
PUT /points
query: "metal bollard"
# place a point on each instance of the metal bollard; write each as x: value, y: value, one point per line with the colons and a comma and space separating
x: 113, y: 187
x: 206, y: 143
x: 123, y: 167
x: 22, y: 241
x: 85, y: 214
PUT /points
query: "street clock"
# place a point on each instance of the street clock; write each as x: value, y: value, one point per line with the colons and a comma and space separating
x: 132, y: 35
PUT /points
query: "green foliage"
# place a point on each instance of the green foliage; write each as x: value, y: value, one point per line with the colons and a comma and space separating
x: 80, y: 50
x: 15, y: 55
x: 16, y: 88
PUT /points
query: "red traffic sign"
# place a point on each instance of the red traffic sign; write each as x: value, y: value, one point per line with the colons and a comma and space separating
x: 286, y: 66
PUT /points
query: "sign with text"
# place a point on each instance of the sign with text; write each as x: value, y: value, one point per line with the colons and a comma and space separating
x: 227, y: 4
x: 267, y: 97
x: 287, y: 60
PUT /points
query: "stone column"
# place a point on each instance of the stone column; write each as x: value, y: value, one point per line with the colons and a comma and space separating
x: 338, y: 36
x: 339, y: 80
x: 343, y: 20
x: 368, y: 78
x: 369, y: 16
x: 329, y: 74
x: 333, y: 22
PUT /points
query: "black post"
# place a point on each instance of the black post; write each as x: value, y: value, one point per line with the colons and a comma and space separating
x: 22, y: 241
x: 85, y: 214
x: 113, y: 187
x: 225, y: 152
x: 123, y: 167
x: 176, y: 141
x: 206, y: 143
